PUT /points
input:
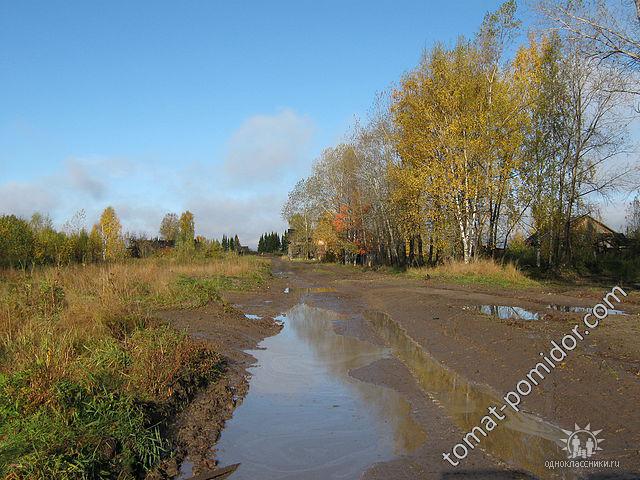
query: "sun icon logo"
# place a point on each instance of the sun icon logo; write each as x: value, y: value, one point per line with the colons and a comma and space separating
x: 582, y: 442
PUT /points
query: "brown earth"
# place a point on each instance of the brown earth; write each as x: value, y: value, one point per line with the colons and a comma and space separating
x: 198, y: 426
x: 597, y: 383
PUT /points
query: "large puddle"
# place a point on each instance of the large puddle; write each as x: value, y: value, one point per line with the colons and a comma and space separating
x: 305, y: 417
x: 522, y: 440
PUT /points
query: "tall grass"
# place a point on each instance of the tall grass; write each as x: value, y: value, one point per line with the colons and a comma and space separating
x: 87, y: 376
x: 479, y: 272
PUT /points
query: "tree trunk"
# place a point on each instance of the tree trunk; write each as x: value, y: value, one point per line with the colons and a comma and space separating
x: 420, y: 253
x: 430, y: 250
x: 402, y: 254
x: 572, y: 192
x: 412, y: 257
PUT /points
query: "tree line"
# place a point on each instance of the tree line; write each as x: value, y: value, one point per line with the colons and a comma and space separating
x: 25, y: 243
x: 273, y: 243
x: 37, y: 242
x: 475, y: 147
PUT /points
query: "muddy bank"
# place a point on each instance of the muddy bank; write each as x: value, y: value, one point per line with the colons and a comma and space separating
x: 230, y: 333
x: 596, y: 384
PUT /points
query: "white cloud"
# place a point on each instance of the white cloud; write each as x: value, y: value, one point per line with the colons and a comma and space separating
x: 22, y: 199
x: 247, y: 217
x: 241, y: 193
x: 266, y: 146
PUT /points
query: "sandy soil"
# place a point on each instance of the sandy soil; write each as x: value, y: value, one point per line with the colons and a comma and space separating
x: 597, y: 383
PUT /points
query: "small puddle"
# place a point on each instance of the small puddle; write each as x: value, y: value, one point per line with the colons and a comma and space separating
x: 305, y: 417
x: 522, y: 440
x: 251, y: 316
x: 284, y: 274
x: 518, y: 313
x: 568, y: 309
x: 280, y: 319
x: 309, y: 290
x: 506, y: 311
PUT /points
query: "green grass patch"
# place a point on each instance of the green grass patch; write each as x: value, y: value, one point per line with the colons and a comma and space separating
x: 84, y: 432
x: 192, y: 292
x: 101, y: 418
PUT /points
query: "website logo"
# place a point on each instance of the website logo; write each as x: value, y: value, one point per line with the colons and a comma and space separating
x: 582, y: 442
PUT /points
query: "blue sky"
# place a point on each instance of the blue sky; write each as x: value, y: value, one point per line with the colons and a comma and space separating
x: 217, y: 107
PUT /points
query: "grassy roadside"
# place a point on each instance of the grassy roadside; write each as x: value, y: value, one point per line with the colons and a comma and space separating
x: 88, y: 378
x: 480, y: 272
x: 485, y: 273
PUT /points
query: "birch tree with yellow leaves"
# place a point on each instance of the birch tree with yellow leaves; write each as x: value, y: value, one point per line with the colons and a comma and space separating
x: 458, y: 133
x: 113, y: 247
x: 474, y: 144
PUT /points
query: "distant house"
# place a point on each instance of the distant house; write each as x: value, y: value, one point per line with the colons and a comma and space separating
x: 603, y: 237
x: 143, y: 247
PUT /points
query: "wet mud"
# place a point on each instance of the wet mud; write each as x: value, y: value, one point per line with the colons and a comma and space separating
x: 369, y: 376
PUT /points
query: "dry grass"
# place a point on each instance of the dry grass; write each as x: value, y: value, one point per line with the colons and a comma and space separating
x: 84, y: 298
x: 480, y: 272
x: 82, y: 360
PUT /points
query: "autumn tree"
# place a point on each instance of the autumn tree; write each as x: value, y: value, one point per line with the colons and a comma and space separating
x: 576, y: 136
x: 113, y: 247
x: 16, y: 241
x: 506, y: 124
x: 472, y: 146
x: 186, y: 231
x: 327, y: 235
x: 170, y: 227
x: 458, y: 137
x: 80, y: 246
x: 374, y: 145
x: 300, y: 210
x: 95, y: 244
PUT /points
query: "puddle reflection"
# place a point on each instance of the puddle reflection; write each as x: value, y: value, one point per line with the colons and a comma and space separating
x: 506, y: 311
x: 305, y: 417
x: 522, y: 440
x: 568, y: 309
x: 518, y: 313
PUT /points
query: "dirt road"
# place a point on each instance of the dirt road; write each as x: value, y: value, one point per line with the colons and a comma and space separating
x: 445, y: 359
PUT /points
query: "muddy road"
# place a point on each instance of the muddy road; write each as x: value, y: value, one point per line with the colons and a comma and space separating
x: 377, y: 376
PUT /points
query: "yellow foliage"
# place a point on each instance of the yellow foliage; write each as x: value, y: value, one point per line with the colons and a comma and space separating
x: 111, y: 231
